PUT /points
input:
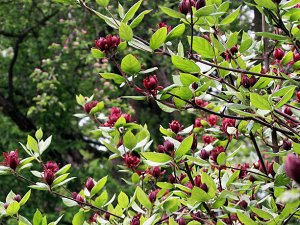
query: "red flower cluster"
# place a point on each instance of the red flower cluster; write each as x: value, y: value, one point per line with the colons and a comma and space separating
x: 131, y: 160
x: 50, y: 168
x: 11, y: 159
x: 164, y: 24
x: 156, y: 172
x: 108, y: 43
x: 88, y: 106
x: 115, y: 114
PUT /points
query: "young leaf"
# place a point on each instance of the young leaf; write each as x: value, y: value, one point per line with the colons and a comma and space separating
x: 143, y: 198
x: 176, y: 32
x: 125, y: 32
x: 185, y: 146
x: 99, y: 185
x: 156, y: 157
x: 232, y: 17
x: 202, y: 47
x: 129, y: 140
x: 139, y: 18
x: 118, y: 79
x: 158, y: 38
x: 171, y: 12
x: 131, y: 12
x: 185, y: 65
x: 130, y: 64
x: 260, y: 102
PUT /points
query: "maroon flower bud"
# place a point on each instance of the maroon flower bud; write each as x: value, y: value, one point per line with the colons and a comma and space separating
x: 195, y: 85
x: 161, y: 149
x: 152, y: 196
x: 151, y: 84
x: 156, y: 171
x: 200, y: 4
x: 169, y: 146
x: 131, y: 160
x: 11, y: 159
x: 171, y: 179
x: 108, y: 44
x: 79, y: 199
x: 185, y: 6
x: 253, y: 81
x: 216, y: 152
x: 195, y: 142
x: 163, y: 24
x: 243, y: 204
x: 49, y: 176
x: 89, y: 184
x: 270, y: 168
x: 181, y: 221
x: 198, y: 122
x: 245, y: 81
x: 197, y: 180
x: 136, y: 220
x: 88, y: 106
x: 74, y: 195
x: 291, y: 166
x: 227, y: 122
x: 201, y: 103
x: 234, y: 50
x: 296, y: 57
x: 5, y: 206
x: 287, y: 145
x: 179, y: 138
x: 288, y: 111
x: 212, y: 120
x: 53, y: 166
x: 207, y: 139
x: 278, y: 54
x: 204, y: 154
x: 204, y: 187
x: 93, y: 218
x: 106, y: 215
x: 175, y: 126
x: 18, y: 198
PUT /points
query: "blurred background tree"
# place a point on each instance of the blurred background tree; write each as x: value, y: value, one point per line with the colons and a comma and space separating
x: 45, y: 61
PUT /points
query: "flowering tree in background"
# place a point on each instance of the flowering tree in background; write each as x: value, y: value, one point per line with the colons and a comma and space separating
x: 236, y: 163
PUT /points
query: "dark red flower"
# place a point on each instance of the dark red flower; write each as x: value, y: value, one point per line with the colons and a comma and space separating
x: 212, y: 120
x: 179, y: 138
x: 164, y: 24
x: 291, y: 166
x: 88, y: 106
x: 298, y: 96
x: 276, y: 1
x: 197, y: 180
x: 131, y: 160
x: 11, y: 159
x: 169, y: 146
x: 204, y: 154
x: 136, y: 220
x: 181, y: 221
x: 200, y: 4
x: 201, y: 102
x: 93, y: 218
x: 108, y: 43
x: 50, y: 168
x: 185, y: 6
x: 198, y: 122
x: 234, y: 50
x: 89, y: 184
x: 227, y: 122
x: 53, y: 166
x: 157, y: 172
x: 243, y: 204
x: 287, y: 110
x: 175, y: 126
x: 5, y: 205
x: 253, y: 81
x: 245, y: 81
x: 18, y: 198
x: 287, y: 145
x: 171, y: 179
x: 204, y: 187
x: 152, y: 195
x: 161, y: 148
x: 151, y: 84
x: 216, y: 152
x: 208, y: 139
x: 278, y: 54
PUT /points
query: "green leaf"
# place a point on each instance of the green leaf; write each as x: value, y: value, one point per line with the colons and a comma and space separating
x: 187, y: 79
x: 205, y: 11
x: 13, y: 208
x: 202, y: 47
x: 231, y: 17
x: 129, y: 140
x: 245, y: 219
x: 171, y: 12
x: 269, y: 4
x: 139, y: 19
x: 79, y: 218
x: 260, y: 102
x: 96, y: 53
x: 25, y: 198
x: 131, y: 12
x: 130, y: 64
x: 165, y: 108
x: 156, y: 157
x: 59, y: 179
x: 198, y: 195
x: 272, y: 36
x: 221, y: 160
x: 123, y: 200
x: 97, y: 108
x: 32, y: 143
x: 287, y: 58
x: 63, y: 170
x: 158, y: 38
x: 39, y: 134
x: 232, y: 40
x: 103, y: 3
x: 125, y: 32
x: 246, y: 42
x: 176, y: 32
x: 287, y: 97
x: 37, y: 218
x: 143, y: 198
x: 118, y: 79
x: 101, y: 199
x: 98, y: 186
x: 185, y: 65
x: 185, y: 146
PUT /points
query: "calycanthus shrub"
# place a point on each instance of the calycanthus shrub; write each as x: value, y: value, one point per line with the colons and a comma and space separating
x: 236, y: 163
